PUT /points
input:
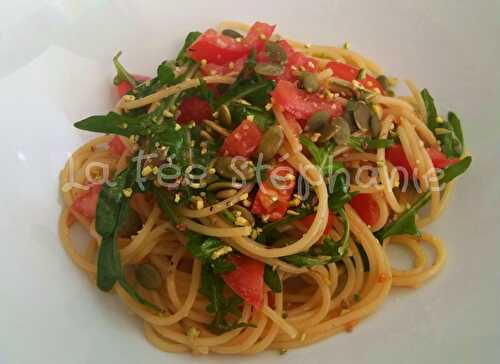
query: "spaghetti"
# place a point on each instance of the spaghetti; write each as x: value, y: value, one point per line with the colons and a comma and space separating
x: 244, y: 256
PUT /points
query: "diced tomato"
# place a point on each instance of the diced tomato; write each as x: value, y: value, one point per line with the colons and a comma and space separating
x: 217, y: 48
x: 86, y: 203
x: 307, y: 221
x: 366, y: 207
x: 258, y: 30
x: 396, y: 155
x: 439, y: 159
x: 350, y: 73
x: 302, y: 104
x: 243, y: 141
x: 247, y: 280
x: 194, y: 109
x: 218, y: 69
x: 274, y: 193
x: 117, y: 146
x: 124, y: 87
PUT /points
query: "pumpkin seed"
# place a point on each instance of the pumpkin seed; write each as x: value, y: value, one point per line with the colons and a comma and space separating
x: 350, y: 120
x: 223, y: 194
x: 328, y: 132
x: 374, y: 124
x: 362, y: 114
x: 386, y: 84
x: 245, y: 213
x: 131, y: 225
x: 318, y: 121
x: 344, y: 131
x: 217, y: 186
x: 225, y: 116
x: 310, y: 82
x: 237, y: 168
x: 232, y: 33
x: 269, y: 69
x: 271, y: 142
x: 148, y: 276
x: 281, y: 242
x: 276, y: 53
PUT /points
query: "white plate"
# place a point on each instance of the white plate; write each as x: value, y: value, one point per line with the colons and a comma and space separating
x: 51, y: 313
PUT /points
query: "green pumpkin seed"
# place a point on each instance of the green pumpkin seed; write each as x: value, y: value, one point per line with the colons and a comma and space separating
x: 245, y: 213
x: 350, y: 120
x: 386, y: 84
x: 281, y: 242
x: 318, y: 121
x: 223, y: 194
x: 131, y: 225
x: 237, y: 168
x: 344, y: 131
x: 374, y: 124
x: 225, y: 116
x: 328, y: 132
x: 221, y: 185
x: 232, y: 33
x: 269, y: 69
x: 271, y: 142
x: 362, y: 114
x: 310, y: 82
x: 148, y: 276
x: 276, y: 53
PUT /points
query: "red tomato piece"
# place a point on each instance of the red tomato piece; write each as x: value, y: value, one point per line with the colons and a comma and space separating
x: 243, y: 141
x: 217, y: 69
x: 307, y: 221
x: 194, y: 109
x: 217, y: 48
x: 86, y: 203
x: 439, y: 159
x: 350, y: 73
x: 302, y: 104
x: 366, y: 207
x: 124, y: 87
x: 247, y: 280
x: 274, y: 193
x: 117, y: 146
x: 258, y: 30
x: 396, y: 155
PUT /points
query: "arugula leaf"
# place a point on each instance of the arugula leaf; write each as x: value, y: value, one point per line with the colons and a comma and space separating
x: 328, y: 252
x: 166, y: 204
x: 361, y: 144
x: 239, y: 112
x: 272, y: 279
x: 203, y: 247
x: 202, y: 91
x: 270, y: 230
x: 323, y: 157
x: 121, y: 72
x: 183, y: 57
x: 446, y: 133
x: 111, y: 212
x: 405, y: 224
x: 166, y: 75
x: 248, y: 85
x: 113, y: 123
x: 212, y: 287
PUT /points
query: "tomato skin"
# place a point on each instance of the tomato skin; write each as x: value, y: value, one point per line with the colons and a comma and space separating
x: 86, y: 203
x: 194, y: 109
x: 217, y: 48
x: 243, y: 141
x: 117, y: 146
x: 439, y: 159
x: 307, y: 221
x: 247, y: 280
x: 224, y: 69
x: 396, y: 155
x: 273, y: 200
x: 253, y: 40
x: 124, y: 87
x: 301, y: 104
x: 350, y: 73
x: 366, y: 207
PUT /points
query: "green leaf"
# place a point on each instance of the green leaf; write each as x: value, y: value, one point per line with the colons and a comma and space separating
x: 202, y: 247
x: 323, y: 157
x: 272, y: 279
x: 121, y: 72
x: 361, y: 144
x: 166, y: 74
x: 305, y: 260
x: 135, y: 295
x: 183, y: 57
x: 455, y: 170
x: 109, y: 269
x: 456, y: 126
x: 239, y: 112
x: 114, y: 123
x: 270, y: 230
x: 166, y: 204
x: 430, y: 108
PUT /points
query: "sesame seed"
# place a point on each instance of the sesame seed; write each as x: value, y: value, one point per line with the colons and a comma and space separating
x: 269, y: 106
x: 292, y: 212
x: 127, y: 192
x: 251, y: 117
x: 346, y: 45
x: 262, y: 36
x: 168, y: 114
x: 128, y: 98
x: 203, y: 62
x: 221, y: 251
x: 147, y: 171
x: 177, y: 197
x: 244, y: 196
x: 241, y: 221
x: 177, y: 127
